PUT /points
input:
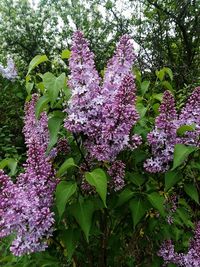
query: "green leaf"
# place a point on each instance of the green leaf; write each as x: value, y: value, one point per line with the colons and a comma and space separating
x: 66, y: 54
x: 138, y: 210
x: 160, y: 74
x: 155, y: 108
x: 29, y: 87
x: 191, y: 191
x: 185, y: 216
x: 171, y: 178
x: 124, y: 196
x: 10, y: 163
x: 40, y: 105
x: 136, y: 178
x: 40, y: 87
x: 137, y: 75
x: 157, y: 201
x: 167, y: 85
x: 144, y: 87
x: 83, y: 212
x: 141, y: 109
x: 169, y: 72
x: 53, y: 85
x: 54, y: 124
x: 36, y: 61
x: 185, y: 128
x: 70, y: 239
x: 181, y: 152
x: 65, y: 166
x: 98, y: 179
x: 64, y: 191
x: 158, y: 97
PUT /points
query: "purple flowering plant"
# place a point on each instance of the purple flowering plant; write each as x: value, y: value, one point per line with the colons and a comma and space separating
x: 110, y: 178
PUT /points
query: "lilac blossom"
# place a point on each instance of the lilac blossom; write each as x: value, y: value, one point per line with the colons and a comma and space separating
x: 117, y: 173
x: 118, y: 117
x: 104, y: 113
x: 9, y: 72
x: 190, y: 259
x: 25, y: 205
x: 119, y: 66
x: 164, y: 136
x: 84, y: 83
x: 190, y: 115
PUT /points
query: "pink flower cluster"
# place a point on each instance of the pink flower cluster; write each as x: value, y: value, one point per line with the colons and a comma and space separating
x: 164, y: 137
x: 25, y: 205
x: 104, y: 111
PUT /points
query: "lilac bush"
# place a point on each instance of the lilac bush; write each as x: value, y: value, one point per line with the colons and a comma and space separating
x: 104, y: 197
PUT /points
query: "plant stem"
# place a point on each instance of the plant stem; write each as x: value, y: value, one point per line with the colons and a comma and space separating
x: 103, y: 225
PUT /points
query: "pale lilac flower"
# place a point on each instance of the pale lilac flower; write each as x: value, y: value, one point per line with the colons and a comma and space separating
x: 104, y: 113
x: 163, y: 138
x: 84, y: 83
x: 10, y: 71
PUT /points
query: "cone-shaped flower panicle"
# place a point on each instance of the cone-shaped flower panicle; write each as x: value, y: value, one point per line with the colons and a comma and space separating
x: 84, y: 84
x: 190, y: 115
x: 119, y: 66
x: 164, y: 136
x: 25, y: 205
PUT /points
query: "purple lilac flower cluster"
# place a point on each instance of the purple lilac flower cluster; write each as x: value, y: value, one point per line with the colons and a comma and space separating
x: 104, y: 113
x: 117, y: 173
x: 191, y: 259
x: 84, y: 82
x: 25, y: 205
x: 164, y: 137
x: 10, y: 71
